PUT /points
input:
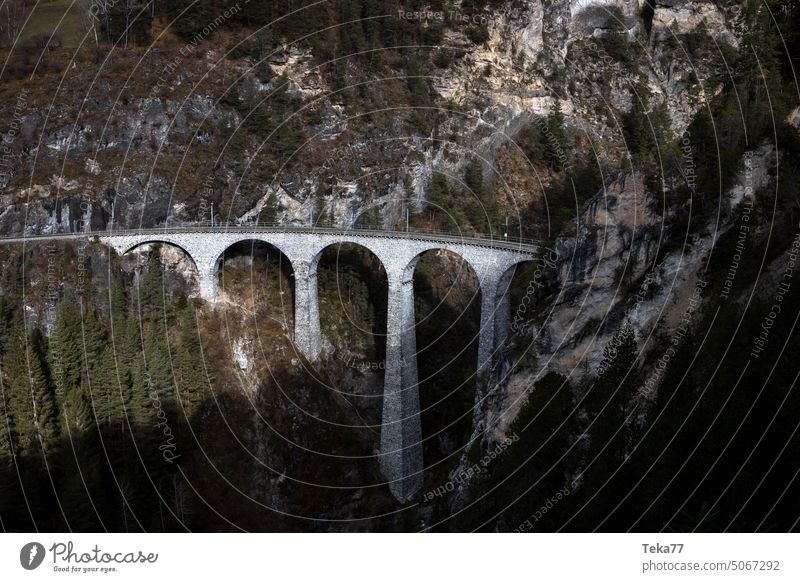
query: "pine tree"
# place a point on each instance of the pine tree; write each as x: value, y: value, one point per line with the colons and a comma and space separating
x: 14, y: 386
x: 608, y: 404
x: 127, y: 21
x: 555, y: 138
x: 192, y: 383
x: 482, y: 205
x: 7, y: 428
x: 151, y: 291
x: 371, y: 217
x: 66, y: 359
x: 131, y: 342
x: 530, y: 141
x: 158, y: 364
x: 473, y: 178
x: 542, y: 431
x: 321, y: 215
x: 31, y: 398
x: 93, y: 347
x: 609, y: 398
x: 106, y: 397
x: 94, y: 342
x: 65, y: 346
x: 269, y: 213
x: 131, y: 362
x: 439, y: 197
x: 118, y: 308
x: 46, y: 418
x: 18, y: 401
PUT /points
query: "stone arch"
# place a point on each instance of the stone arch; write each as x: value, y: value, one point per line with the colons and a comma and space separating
x: 448, y: 341
x: 353, y: 289
x: 471, y: 270
x: 305, y: 257
x: 362, y: 244
x: 170, y: 243
x: 253, y: 247
x: 164, y: 241
x: 255, y: 238
x: 468, y: 255
x: 344, y: 247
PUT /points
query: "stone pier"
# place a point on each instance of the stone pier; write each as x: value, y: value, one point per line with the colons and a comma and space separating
x: 401, y: 429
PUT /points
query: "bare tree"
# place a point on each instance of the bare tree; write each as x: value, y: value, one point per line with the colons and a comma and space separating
x: 11, y: 18
x: 89, y: 21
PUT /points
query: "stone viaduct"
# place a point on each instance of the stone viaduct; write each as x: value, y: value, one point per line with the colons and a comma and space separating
x: 492, y: 260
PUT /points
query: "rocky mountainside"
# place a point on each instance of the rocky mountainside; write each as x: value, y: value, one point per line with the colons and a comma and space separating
x: 650, y: 146
x: 164, y: 130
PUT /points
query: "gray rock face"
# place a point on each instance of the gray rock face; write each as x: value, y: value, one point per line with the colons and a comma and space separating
x: 673, y: 17
x: 499, y: 86
x: 617, y: 237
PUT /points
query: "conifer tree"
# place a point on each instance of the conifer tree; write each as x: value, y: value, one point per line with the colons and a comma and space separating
x: 321, y: 215
x: 608, y: 405
x: 30, y: 395
x: 159, y: 367
x: 138, y: 409
x: 75, y: 349
x: 131, y: 343
x: 269, y: 213
x: 106, y: 396
x: 609, y: 399
x: 482, y: 202
x: 94, y: 341
x: 131, y: 362
x: 126, y: 22
x: 151, y: 291
x: 7, y: 429
x: 192, y: 383
x: 439, y: 197
x: 65, y: 346
x: 555, y: 138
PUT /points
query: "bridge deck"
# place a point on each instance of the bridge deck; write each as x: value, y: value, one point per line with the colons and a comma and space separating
x: 486, y: 241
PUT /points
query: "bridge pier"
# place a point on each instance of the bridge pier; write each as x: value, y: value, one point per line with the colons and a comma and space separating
x: 307, y: 335
x: 502, y: 312
x: 207, y: 275
x: 495, y: 313
x: 401, y: 429
x: 486, y: 339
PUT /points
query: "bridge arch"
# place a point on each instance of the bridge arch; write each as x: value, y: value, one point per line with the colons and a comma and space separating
x: 172, y: 244
x: 447, y: 294
x: 165, y: 242
x: 264, y: 260
x: 248, y: 238
x: 465, y: 270
x: 362, y: 262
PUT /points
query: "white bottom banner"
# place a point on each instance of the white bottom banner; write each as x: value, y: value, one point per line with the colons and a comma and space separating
x: 389, y: 557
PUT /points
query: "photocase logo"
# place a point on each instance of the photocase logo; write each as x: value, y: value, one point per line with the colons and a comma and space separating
x: 31, y: 555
